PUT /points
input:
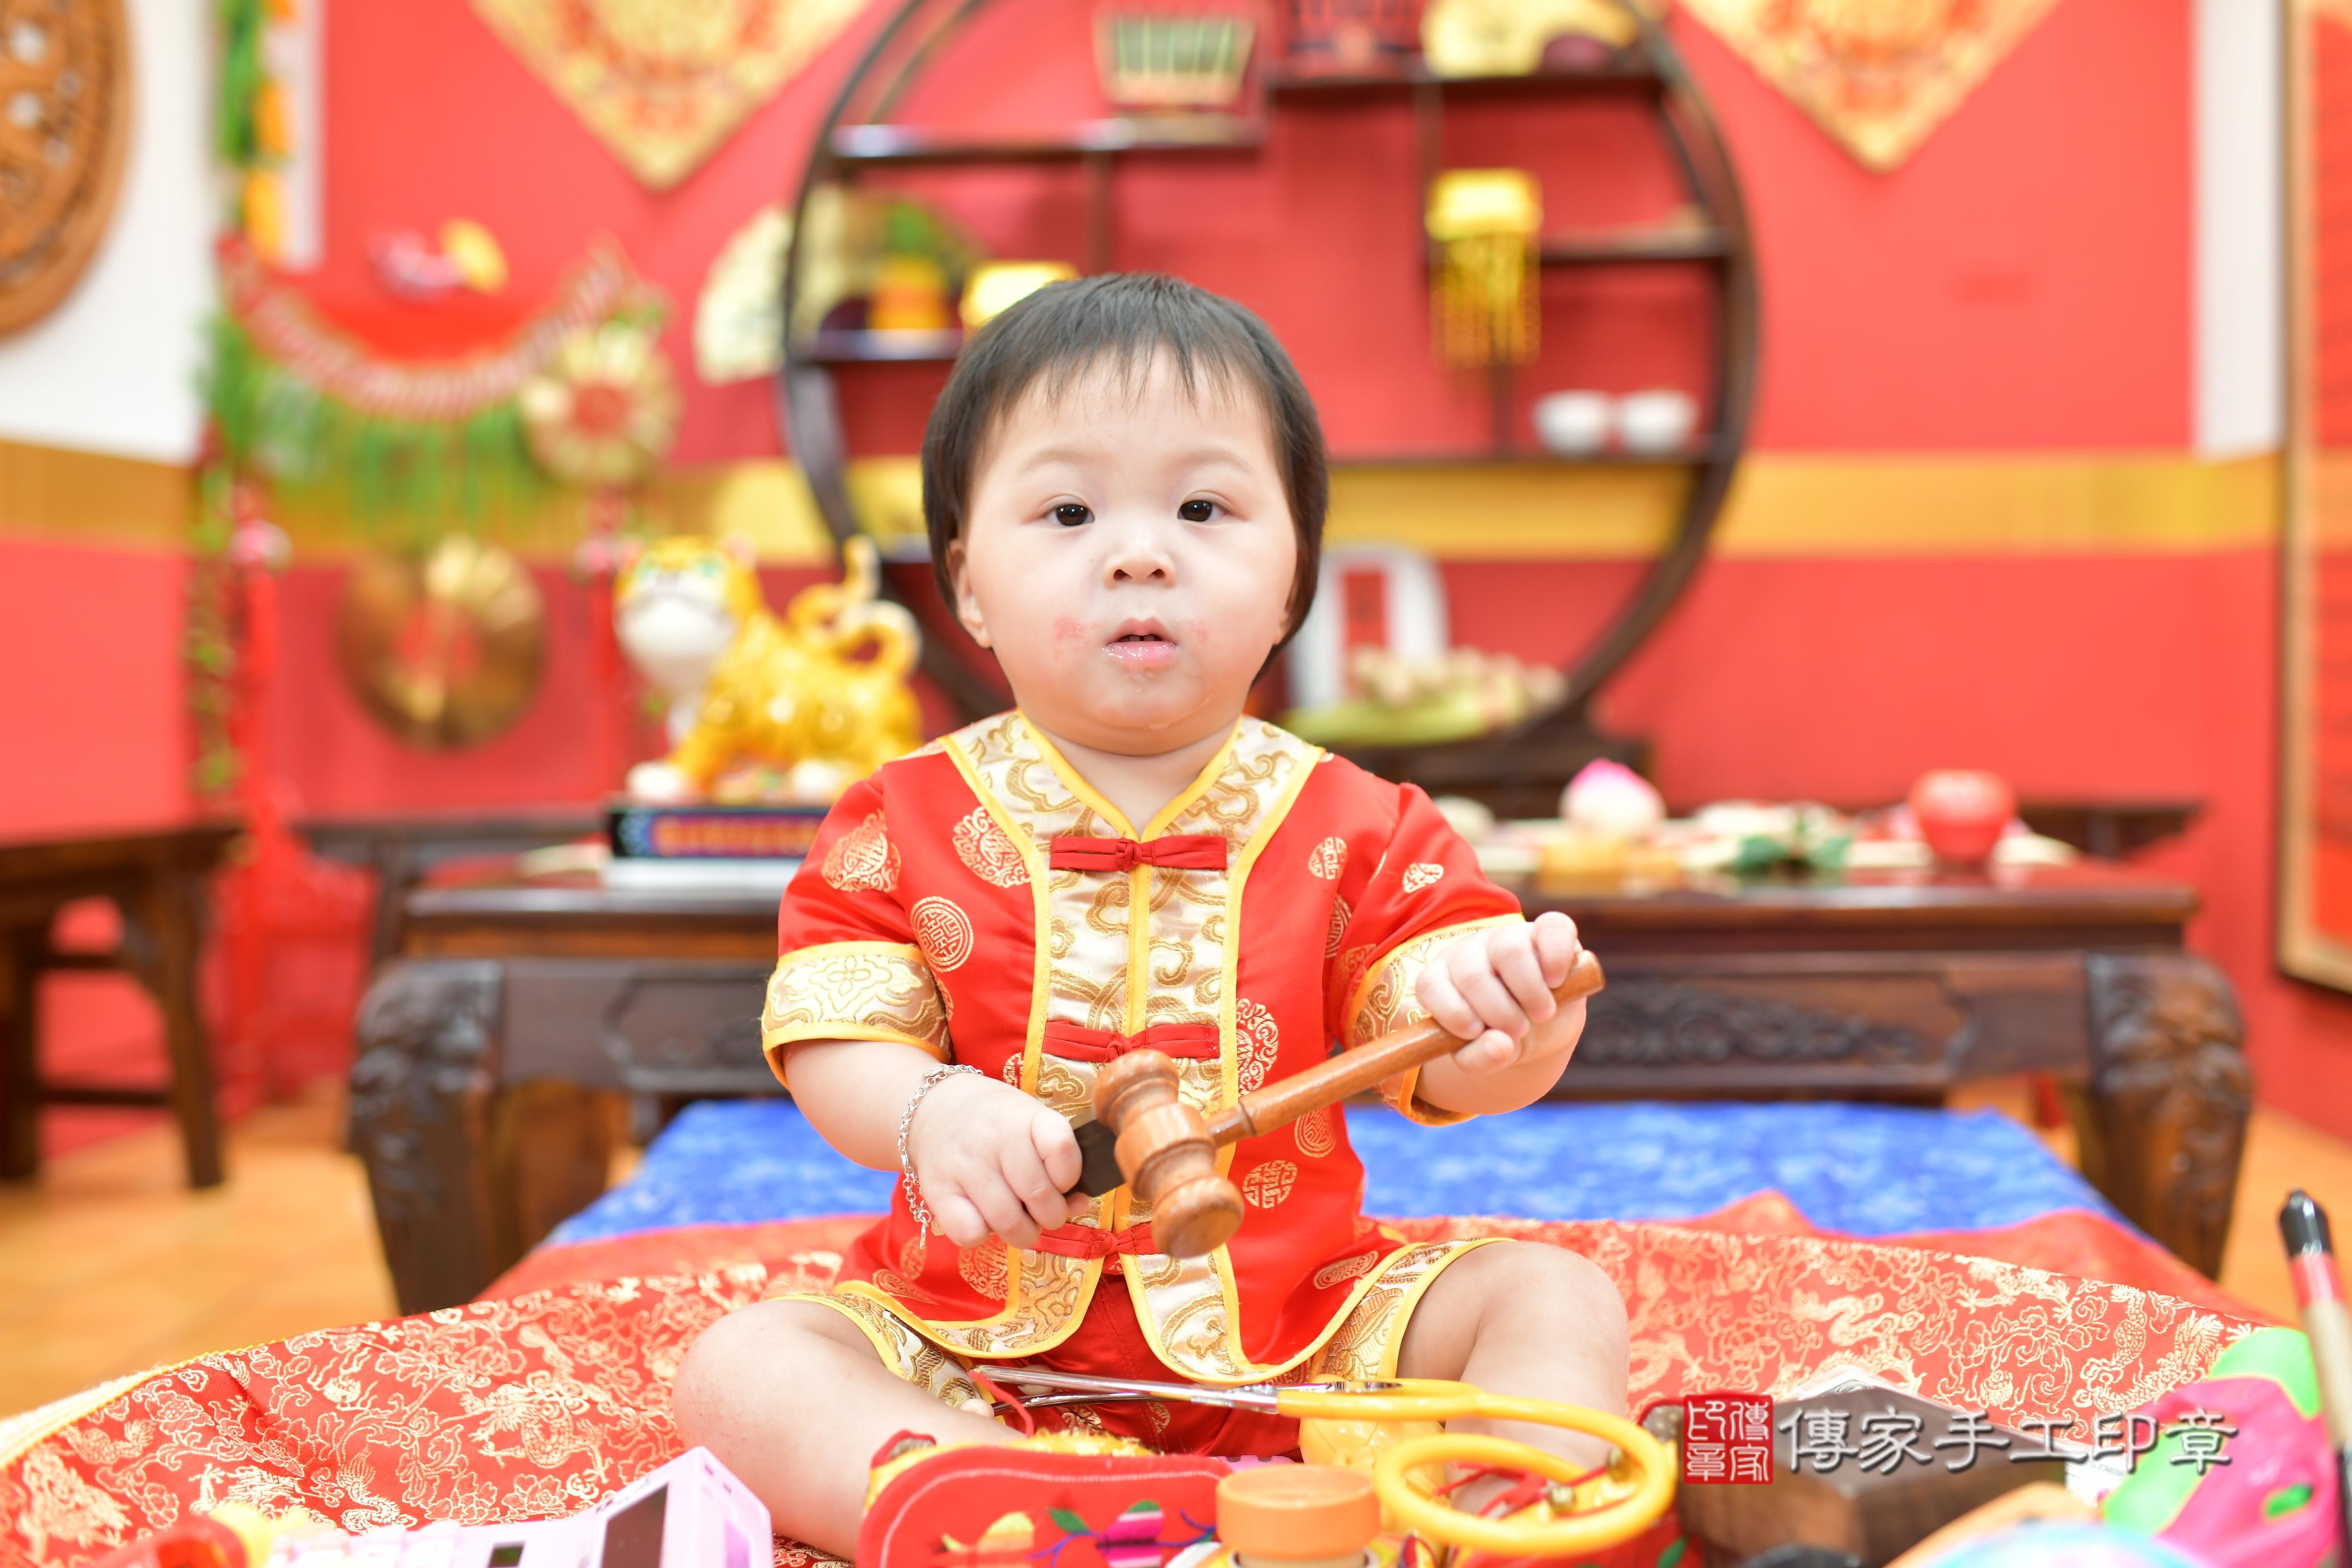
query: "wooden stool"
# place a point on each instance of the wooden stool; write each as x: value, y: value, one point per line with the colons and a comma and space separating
x: 160, y: 881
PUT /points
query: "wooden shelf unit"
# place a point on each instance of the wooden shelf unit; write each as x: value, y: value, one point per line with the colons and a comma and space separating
x: 906, y: 145
x: 861, y: 347
x: 858, y: 135
x: 1630, y: 69
x: 1636, y: 245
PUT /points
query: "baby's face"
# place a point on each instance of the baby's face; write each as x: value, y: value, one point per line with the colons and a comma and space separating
x: 1129, y: 553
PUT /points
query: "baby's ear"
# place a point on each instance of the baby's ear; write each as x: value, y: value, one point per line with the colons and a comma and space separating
x: 967, y: 603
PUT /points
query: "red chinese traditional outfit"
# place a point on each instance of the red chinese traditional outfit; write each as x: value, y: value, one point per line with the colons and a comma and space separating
x: 979, y: 902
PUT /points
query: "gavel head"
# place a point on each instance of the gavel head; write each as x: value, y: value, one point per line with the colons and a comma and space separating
x: 1167, y: 1156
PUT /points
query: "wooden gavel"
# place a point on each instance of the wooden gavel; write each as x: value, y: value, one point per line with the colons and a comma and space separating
x: 1167, y: 1151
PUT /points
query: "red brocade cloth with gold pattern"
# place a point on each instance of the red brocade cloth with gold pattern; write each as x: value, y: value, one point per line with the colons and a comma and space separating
x: 555, y: 1394
x: 978, y: 902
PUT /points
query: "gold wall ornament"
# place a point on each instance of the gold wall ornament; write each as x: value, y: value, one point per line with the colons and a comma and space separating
x: 664, y: 82
x: 442, y: 647
x: 65, y: 125
x: 1878, y: 74
x: 1485, y: 224
x: 604, y: 412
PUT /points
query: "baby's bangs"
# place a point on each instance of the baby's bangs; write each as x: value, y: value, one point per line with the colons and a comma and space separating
x: 1211, y: 353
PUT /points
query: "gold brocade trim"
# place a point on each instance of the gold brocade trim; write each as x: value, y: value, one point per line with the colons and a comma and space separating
x: 908, y: 1355
x: 1197, y: 1312
x: 1190, y: 1311
x: 1372, y: 1333
x: 1046, y: 1301
x: 21, y: 1432
x: 1384, y: 1000
x: 1362, y: 1341
x: 1088, y: 958
x: 1102, y: 967
x: 1045, y: 1277
x: 853, y: 991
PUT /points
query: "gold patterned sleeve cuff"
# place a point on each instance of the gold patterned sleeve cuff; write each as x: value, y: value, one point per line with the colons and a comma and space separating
x: 1385, y: 1000
x: 852, y: 990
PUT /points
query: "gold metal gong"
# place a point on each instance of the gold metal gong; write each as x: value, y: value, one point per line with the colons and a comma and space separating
x: 444, y: 647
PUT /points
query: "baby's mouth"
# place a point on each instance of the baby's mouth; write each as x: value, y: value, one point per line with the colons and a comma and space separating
x: 1141, y: 647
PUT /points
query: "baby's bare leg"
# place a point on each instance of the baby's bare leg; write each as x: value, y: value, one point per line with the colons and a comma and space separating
x: 792, y: 1398
x: 1518, y: 1316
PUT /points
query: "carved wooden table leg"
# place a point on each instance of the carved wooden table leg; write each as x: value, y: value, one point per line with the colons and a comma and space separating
x: 550, y: 1156
x: 422, y: 1088
x: 2163, y: 1119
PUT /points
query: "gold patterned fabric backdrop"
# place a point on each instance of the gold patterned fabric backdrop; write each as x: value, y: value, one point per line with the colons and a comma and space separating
x: 1877, y: 75
x: 539, y: 1404
x: 664, y: 82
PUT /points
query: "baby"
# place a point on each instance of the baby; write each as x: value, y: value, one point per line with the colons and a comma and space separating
x: 1125, y: 486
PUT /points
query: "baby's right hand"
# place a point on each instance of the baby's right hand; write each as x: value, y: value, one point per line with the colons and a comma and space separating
x: 992, y: 1159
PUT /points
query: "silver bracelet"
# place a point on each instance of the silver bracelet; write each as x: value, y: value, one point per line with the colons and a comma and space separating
x: 915, y: 1206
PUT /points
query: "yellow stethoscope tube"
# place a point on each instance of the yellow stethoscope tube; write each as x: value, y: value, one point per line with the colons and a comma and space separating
x: 1403, y: 1501
x: 1430, y: 1400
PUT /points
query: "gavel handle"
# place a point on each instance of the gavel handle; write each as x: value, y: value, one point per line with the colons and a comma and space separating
x: 1352, y: 1072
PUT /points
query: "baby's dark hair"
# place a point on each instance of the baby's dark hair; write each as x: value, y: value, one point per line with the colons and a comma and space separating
x: 1123, y: 319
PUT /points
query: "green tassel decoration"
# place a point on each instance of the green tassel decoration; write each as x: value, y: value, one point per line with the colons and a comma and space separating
x: 310, y: 446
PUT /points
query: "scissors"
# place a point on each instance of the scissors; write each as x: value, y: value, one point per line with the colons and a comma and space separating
x: 1408, y: 1501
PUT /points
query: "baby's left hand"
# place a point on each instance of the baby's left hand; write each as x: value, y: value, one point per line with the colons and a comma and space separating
x: 1494, y: 989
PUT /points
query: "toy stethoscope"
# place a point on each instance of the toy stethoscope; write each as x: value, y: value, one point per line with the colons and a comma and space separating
x: 1406, y: 1501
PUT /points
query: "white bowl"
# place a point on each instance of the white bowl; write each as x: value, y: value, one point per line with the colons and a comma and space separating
x: 1574, y: 424
x: 1657, y: 421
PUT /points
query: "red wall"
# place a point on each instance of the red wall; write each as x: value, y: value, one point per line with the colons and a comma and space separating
x: 93, y: 710
x: 2024, y: 283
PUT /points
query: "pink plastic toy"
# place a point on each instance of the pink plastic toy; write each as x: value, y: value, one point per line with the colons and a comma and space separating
x: 2274, y: 1504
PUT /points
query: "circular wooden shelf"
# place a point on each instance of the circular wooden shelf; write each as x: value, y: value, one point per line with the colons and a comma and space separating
x: 1518, y: 770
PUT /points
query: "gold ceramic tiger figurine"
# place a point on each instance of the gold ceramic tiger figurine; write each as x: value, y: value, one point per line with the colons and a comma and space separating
x: 818, y: 696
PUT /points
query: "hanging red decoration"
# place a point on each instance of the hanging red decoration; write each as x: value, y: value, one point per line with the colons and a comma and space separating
x: 288, y: 331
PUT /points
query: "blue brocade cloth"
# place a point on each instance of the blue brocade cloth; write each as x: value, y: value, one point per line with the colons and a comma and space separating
x: 1862, y: 1169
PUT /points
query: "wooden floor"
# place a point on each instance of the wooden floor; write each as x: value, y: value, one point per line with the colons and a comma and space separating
x: 108, y: 1264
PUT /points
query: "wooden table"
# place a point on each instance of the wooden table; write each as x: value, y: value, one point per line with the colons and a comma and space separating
x: 161, y: 881
x: 486, y: 1048
x: 402, y: 851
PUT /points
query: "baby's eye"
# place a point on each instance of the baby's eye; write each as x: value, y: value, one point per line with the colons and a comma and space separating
x: 1070, y: 514
x: 1197, y: 510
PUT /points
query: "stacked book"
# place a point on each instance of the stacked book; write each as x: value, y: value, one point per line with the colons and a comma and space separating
x: 717, y: 849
